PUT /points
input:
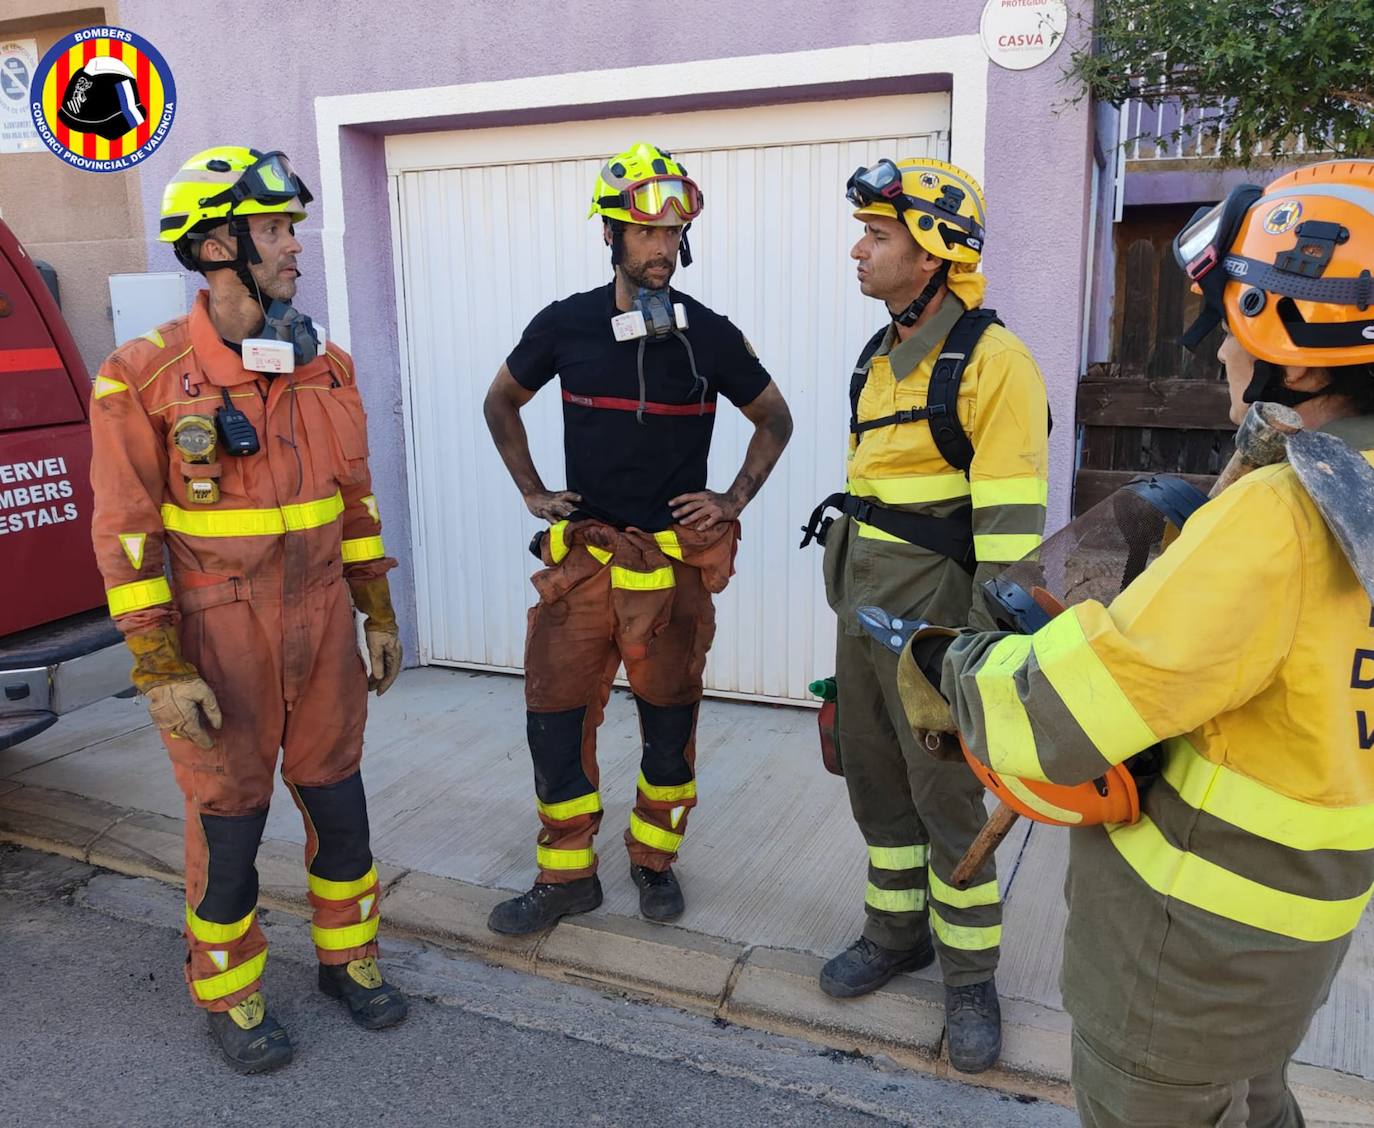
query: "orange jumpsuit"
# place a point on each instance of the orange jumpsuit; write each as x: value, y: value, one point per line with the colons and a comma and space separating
x: 258, y: 591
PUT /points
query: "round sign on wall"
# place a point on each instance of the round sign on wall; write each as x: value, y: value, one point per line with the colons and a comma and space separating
x: 1020, y: 34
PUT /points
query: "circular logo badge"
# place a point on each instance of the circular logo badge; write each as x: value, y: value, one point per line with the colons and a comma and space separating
x: 1283, y: 217
x: 102, y: 99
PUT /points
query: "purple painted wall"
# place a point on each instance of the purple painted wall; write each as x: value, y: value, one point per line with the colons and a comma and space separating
x: 282, y: 58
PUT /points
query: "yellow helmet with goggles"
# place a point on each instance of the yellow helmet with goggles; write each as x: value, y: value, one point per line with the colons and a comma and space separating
x: 644, y: 185
x: 941, y: 205
x: 225, y: 185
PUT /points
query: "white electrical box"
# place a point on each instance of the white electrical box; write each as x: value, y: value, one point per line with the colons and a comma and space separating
x: 140, y: 302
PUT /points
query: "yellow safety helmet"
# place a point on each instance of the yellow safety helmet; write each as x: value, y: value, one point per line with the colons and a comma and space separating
x: 941, y: 204
x: 223, y: 183
x: 645, y: 185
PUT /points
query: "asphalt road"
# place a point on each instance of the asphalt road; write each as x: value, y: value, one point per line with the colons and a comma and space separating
x: 96, y: 1029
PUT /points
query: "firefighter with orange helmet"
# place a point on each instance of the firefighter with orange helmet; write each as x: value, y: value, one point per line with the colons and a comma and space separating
x: 1204, y: 934
x: 230, y: 451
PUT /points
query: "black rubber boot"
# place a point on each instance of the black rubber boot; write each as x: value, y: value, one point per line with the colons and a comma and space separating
x: 373, y: 1003
x: 251, y: 1040
x: 660, y: 893
x: 865, y: 966
x: 545, y: 905
x: 973, y: 1026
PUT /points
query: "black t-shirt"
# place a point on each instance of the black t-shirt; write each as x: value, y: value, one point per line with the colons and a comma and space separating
x: 625, y: 470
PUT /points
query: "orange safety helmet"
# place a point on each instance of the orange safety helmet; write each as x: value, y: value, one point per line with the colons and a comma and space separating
x: 1289, y: 266
x: 1111, y: 798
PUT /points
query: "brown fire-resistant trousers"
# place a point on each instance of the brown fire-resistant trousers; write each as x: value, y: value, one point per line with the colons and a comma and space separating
x: 616, y: 597
x: 288, y: 680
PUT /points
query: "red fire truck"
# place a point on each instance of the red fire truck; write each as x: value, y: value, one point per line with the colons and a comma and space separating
x: 58, y: 648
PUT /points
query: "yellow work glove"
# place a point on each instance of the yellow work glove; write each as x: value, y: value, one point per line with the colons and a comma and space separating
x: 373, y: 599
x: 926, y: 710
x: 176, y: 693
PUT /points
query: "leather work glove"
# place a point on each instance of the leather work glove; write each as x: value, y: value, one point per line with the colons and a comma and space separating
x: 920, y: 650
x: 177, y: 694
x: 373, y: 599
x: 926, y: 710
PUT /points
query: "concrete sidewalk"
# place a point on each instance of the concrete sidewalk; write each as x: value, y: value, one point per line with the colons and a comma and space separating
x: 773, y: 868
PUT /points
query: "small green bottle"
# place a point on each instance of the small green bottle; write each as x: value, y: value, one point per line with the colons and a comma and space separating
x: 824, y: 688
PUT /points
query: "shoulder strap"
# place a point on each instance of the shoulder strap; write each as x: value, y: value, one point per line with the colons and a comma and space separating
x: 860, y: 375
x: 942, y: 400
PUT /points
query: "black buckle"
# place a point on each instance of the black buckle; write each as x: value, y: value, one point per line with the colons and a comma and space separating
x: 863, y: 510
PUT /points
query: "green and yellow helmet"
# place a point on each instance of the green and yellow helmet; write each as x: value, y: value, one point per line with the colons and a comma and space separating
x: 645, y: 185
x: 941, y: 204
x: 226, y: 182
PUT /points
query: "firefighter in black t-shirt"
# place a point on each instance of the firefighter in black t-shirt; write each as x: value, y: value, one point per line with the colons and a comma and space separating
x: 636, y: 544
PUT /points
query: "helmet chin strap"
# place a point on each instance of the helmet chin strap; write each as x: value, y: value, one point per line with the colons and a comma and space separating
x: 912, y: 314
x: 1266, y: 386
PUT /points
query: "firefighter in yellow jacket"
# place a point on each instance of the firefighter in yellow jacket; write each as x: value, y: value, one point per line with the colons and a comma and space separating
x: 1203, y: 937
x: 946, y: 483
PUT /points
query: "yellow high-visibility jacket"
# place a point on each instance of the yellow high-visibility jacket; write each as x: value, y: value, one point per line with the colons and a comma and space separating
x: 1202, y: 938
x: 1003, y: 409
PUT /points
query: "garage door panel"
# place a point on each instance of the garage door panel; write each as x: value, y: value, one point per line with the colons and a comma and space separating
x: 484, y: 246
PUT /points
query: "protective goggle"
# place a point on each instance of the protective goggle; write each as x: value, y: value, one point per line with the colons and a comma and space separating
x: 650, y: 200
x: 882, y: 184
x: 1202, y: 246
x: 268, y: 180
x: 1208, y: 236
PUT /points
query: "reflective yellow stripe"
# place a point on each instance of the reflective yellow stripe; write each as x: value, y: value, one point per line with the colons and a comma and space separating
x: 1039, y: 805
x: 1088, y: 690
x: 674, y: 793
x: 668, y: 544
x: 1195, y: 881
x: 601, y: 554
x: 897, y: 857
x: 551, y: 859
x: 911, y: 490
x: 209, y: 932
x: 357, y: 549
x: 558, y: 543
x: 138, y: 595
x: 963, y: 937
x: 872, y: 533
x: 253, y: 522
x: 227, y: 982
x: 654, y: 836
x: 1011, y: 491
x: 104, y: 386
x: 985, y: 894
x: 1011, y: 745
x: 587, y: 804
x: 895, y: 900
x: 1005, y: 546
x: 342, y: 890
x: 1257, y: 810
x: 350, y: 936
x: 164, y: 367
x: 657, y: 580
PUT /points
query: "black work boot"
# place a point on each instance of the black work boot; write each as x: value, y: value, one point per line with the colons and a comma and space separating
x: 973, y: 1026
x: 865, y: 966
x: 251, y: 1040
x: 660, y: 894
x: 373, y: 1003
x: 545, y: 905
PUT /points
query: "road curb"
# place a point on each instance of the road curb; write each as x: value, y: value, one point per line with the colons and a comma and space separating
x: 769, y: 989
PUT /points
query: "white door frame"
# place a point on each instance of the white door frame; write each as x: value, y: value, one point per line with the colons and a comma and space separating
x: 960, y: 56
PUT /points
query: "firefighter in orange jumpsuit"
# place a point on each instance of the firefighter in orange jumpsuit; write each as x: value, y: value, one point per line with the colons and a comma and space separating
x: 254, y: 487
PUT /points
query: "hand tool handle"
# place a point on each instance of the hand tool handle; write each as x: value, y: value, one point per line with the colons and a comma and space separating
x: 989, y: 838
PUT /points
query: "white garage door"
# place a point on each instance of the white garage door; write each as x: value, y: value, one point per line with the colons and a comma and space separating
x: 489, y: 227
